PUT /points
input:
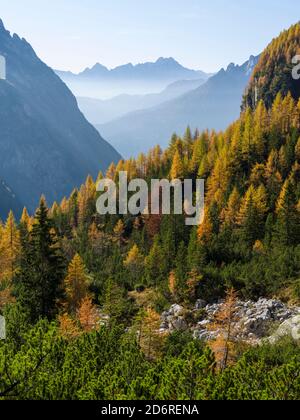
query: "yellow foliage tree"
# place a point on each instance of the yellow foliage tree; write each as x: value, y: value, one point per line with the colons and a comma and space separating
x: 9, y: 249
x: 205, y: 229
x: 134, y: 261
x: 88, y: 315
x: 177, y: 169
x: 224, y: 325
x: 172, y: 283
x: 68, y: 328
x: 25, y: 220
x: 76, y: 285
x: 119, y: 230
x: 229, y: 215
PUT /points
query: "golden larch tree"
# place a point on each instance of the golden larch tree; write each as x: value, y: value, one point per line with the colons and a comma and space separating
x: 76, y: 285
x: 224, y: 324
x: 88, y: 315
x: 177, y: 169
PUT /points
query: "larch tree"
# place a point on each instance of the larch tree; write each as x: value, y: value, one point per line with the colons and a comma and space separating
x: 260, y: 126
x: 88, y: 315
x: 248, y: 217
x: 134, y: 262
x: 177, y: 169
x: 224, y: 325
x: 119, y: 231
x: 76, y: 285
x: 111, y: 172
x: 261, y: 202
x: 87, y: 201
x: 205, y: 229
x: 229, y: 215
x: 9, y: 254
x: 247, y: 140
x: 26, y: 220
x: 68, y: 328
x: 9, y: 249
x: 273, y: 176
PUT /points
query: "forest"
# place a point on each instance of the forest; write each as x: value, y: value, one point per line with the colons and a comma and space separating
x: 82, y: 293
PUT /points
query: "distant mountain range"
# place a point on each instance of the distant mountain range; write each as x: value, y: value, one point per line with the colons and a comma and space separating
x: 213, y: 105
x: 100, y: 82
x: 46, y: 144
x: 99, y: 111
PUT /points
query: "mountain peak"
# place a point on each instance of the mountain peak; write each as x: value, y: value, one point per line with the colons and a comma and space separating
x: 168, y: 61
x: 98, y: 66
x: 2, y: 27
x: 231, y: 67
x: 3, y: 30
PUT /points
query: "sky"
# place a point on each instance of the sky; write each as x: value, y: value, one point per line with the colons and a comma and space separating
x: 200, y: 34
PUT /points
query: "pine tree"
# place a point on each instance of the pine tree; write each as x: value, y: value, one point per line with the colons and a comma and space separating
x: 150, y: 340
x: 39, y: 279
x: 114, y: 302
x: 156, y: 266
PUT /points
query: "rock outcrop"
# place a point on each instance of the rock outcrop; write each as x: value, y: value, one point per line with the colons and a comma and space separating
x: 254, y: 320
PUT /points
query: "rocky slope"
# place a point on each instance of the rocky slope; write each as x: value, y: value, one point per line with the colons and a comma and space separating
x: 254, y: 320
x: 8, y: 201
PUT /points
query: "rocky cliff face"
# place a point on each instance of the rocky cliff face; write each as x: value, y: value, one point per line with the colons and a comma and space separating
x: 46, y: 144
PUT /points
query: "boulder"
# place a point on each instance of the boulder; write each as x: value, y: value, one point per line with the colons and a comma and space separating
x: 289, y: 328
x: 179, y: 324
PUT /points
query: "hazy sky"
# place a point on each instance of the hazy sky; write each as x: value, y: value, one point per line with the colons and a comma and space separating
x: 202, y: 34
